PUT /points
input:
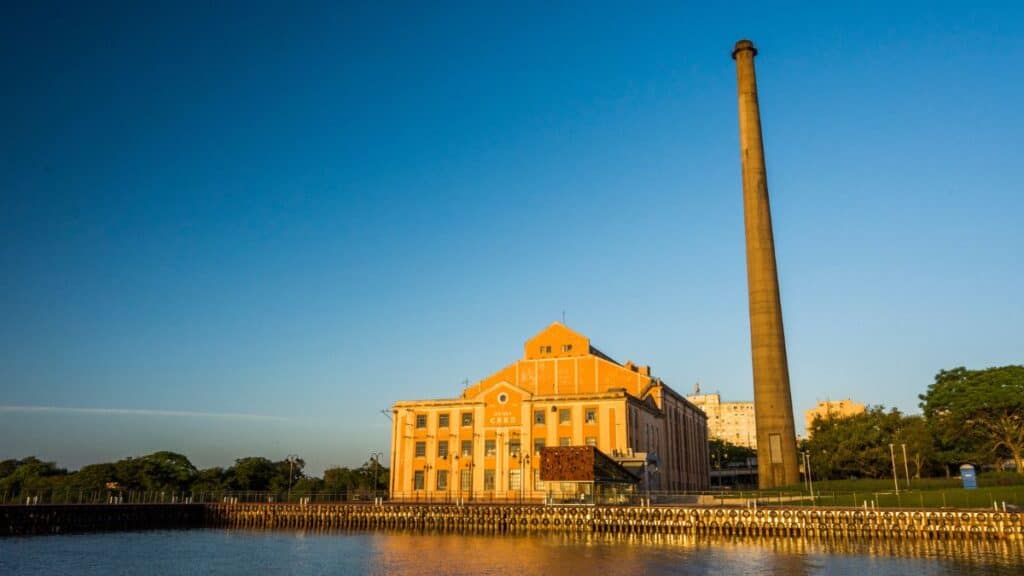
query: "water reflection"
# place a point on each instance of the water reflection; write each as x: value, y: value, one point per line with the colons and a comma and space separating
x: 219, y: 552
x: 611, y: 555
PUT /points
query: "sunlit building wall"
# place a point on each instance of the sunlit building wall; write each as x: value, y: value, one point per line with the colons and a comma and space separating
x: 832, y: 409
x: 563, y: 392
x: 732, y: 422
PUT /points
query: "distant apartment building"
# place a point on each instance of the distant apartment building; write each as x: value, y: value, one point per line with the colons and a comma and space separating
x: 832, y: 409
x: 487, y: 443
x: 729, y: 421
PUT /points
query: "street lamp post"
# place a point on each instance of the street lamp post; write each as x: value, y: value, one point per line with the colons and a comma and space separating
x: 426, y: 481
x: 895, y: 478
x: 807, y: 483
x: 291, y: 473
x: 376, y: 456
x: 457, y: 477
x: 906, y: 467
x: 524, y: 461
x: 810, y: 476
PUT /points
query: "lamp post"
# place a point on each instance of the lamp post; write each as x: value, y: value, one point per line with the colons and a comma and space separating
x: 906, y: 467
x: 499, y: 470
x: 457, y: 476
x: 291, y: 474
x: 524, y: 461
x: 807, y: 484
x: 375, y: 457
x: 895, y: 479
x: 426, y: 480
x: 810, y: 476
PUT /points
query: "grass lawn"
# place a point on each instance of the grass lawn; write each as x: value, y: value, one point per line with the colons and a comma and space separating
x: 926, y: 493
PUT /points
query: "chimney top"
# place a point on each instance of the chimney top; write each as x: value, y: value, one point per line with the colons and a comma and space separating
x: 743, y: 45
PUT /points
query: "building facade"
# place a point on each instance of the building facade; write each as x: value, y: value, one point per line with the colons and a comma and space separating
x: 732, y: 422
x: 486, y: 443
x: 832, y: 409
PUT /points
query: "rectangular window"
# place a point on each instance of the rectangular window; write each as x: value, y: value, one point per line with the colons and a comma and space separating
x: 565, y: 441
x: 421, y: 420
x: 442, y: 479
x: 490, y: 448
x: 417, y: 480
x: 566, y: 347
x: 513, y: 448
x: 488, y: 479
x: 442, y: 449
x: 538, y: 416
x: 515, y: 479
x: 421, y: 449
x: 564, y: 416
x: 442, y: 420
x: 591, y: 416
x: 467, y: 418
x: 467, y: 480
x: 592, y: 441
x: 467, y: 447
x: 538, y: 445
x: 545, y: 349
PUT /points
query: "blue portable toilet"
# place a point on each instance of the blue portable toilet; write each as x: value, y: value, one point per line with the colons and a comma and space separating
x: 970, y: 481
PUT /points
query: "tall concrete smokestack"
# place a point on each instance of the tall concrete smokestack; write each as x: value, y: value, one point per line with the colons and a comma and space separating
x: 773, y: 405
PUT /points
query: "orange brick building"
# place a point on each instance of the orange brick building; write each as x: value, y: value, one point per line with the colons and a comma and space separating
x: 563, y: 392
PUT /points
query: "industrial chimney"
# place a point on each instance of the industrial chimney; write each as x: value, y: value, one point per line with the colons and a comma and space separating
x: 773, y: 404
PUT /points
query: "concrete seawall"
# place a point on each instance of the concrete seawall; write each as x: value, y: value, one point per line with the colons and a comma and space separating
x: 795, y: 522
x: 773, y: 522
x: 67, y: 518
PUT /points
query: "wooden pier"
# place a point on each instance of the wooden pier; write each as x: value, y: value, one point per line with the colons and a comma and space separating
x: 794, y: 522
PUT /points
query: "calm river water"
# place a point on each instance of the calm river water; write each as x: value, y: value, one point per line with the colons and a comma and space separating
x: 222, y: 552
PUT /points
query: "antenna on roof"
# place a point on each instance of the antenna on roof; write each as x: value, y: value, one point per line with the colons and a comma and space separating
x: 563, y: 316
x: 465, y: 383
x: 386, y: 412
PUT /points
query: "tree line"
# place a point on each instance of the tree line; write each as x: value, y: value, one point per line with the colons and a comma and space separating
x: 172, y: 473
x: 968, y: 417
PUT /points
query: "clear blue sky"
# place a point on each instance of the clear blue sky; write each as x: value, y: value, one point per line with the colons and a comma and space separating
x: 245, y: 229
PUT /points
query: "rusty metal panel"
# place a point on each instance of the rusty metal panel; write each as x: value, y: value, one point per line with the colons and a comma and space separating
x: 567, y: 464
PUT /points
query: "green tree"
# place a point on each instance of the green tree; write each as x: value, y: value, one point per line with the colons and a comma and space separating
x: 166, y: 471
x: 94, y: 477
x: 287, y: 473
x: 31, y: 476
x: 726, y: 452
x: 253, y: 473
x: 976, y: 414
x: 921, y: 452
x: 211, y: 480
x: 854, y: 446
x: 339, y: 480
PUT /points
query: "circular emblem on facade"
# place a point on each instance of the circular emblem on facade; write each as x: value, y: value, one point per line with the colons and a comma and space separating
x: 502, y: 398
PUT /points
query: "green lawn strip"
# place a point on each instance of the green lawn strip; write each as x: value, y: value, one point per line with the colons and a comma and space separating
x: 937, y: 498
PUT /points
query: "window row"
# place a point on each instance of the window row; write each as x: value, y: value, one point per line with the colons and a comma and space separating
x: 466, y: 480
x: 443, y: 420
x: 565, y: 416
x: 546, y: 348
x: 491, y: 446
x: 539, y: 417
